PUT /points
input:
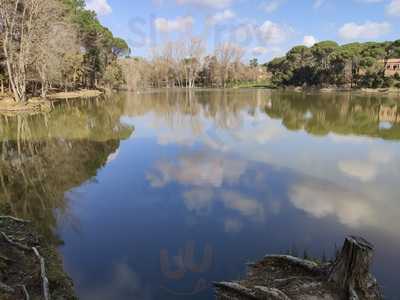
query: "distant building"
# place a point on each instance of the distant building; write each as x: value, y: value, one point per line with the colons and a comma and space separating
x: 392, y: 67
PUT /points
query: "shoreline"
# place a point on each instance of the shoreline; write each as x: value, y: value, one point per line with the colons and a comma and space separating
x: 30, y: 264
x: 377, y: 91
x: 38, y: 105
x: 284, y: 277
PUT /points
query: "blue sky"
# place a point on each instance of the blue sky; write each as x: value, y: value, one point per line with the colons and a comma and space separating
x: 264, y: 28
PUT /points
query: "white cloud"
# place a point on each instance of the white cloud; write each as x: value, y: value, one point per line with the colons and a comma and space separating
x: 221, y: 17
x: 207, y: 3
x: 271, y: 5
x: 273, y: 33
x: 258, y: 51
x: 101, y: 7
x: 370, y: 1
x: 393, y: 8
x: 309, y: 40
x: 179, y: 24
x: 318, y: 3
x: 368, y: 30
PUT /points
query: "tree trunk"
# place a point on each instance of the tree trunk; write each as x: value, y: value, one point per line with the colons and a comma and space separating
x: 350, y: 271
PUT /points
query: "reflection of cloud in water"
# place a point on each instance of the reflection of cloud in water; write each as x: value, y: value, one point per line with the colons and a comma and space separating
x: 232, y: 225
x: 366, y: 170
x: 198, y: 170
x: 113, y: 156
x: 260, y: 131
x: 124, y: 284
x: 198, y: 200
x: 321, y: 200
x: 362, y: 170
x: 245, y: 206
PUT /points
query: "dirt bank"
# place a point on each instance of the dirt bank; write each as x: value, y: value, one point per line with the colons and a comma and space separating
x: 75, y: 95
x: 379, y: 91
x: 30, y: 267
x: 38, y: 105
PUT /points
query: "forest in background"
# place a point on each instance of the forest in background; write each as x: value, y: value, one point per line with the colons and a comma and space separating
x: 186, y: 64
x: 59, y: 45
x: 329, y: 64
x: 54, y: 45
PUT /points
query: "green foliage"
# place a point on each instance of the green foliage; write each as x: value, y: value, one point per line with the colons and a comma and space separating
x: 327, y: 63
x: 101, y: 48
x: 113, y: 75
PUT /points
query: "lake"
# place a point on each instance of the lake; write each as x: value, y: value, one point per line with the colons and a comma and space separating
x: 156, y: 195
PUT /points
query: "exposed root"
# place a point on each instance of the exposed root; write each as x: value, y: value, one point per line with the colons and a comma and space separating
x: 45, y: 281
x: 27, y: 297
x: 270, y: 293
x: 16, y: 244
x: 235, y: 289
x: 295, y: 261
x: 6, y: 259
x: 282, y: 277
x: 14, y: 219
x: 5, y: 288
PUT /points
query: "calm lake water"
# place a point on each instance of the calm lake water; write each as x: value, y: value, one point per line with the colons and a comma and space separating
x: 157, y: 195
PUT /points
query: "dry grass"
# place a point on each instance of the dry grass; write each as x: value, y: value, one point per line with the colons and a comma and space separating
x: 75, y: 94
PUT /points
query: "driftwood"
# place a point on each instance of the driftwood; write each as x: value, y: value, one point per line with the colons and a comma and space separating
x: 283, y: 277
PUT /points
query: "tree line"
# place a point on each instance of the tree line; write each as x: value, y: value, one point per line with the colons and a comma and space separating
x: 329, y: 64
x: 185, y: 64
x: 54, y: 44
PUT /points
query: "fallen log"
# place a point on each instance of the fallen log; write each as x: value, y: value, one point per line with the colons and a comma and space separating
x: 282, y: 277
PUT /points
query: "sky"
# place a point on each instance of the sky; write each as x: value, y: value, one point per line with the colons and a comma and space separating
x: 264, y: 28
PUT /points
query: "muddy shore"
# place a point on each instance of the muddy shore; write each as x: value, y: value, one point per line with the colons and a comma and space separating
x: 30, y: 266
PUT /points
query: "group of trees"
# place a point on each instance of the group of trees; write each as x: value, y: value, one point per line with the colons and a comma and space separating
x: 184, y: 63
x: 54, y: 44
x: 327, y: 63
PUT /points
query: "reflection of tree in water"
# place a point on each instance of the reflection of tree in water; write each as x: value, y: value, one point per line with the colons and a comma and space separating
x: 339, y: 113
x: 42, y: 157
x: 223, y: 106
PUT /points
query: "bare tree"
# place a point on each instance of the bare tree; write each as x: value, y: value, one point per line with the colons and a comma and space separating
x: 34, y: 39
x: 56, y: 41
x: 227, y: 56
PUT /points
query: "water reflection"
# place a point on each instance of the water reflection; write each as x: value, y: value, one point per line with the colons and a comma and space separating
x: 44, y: 156
x: 209, y: 180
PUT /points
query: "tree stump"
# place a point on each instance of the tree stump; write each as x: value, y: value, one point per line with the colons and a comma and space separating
x: 351, y: 270
x: 283, y: 277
